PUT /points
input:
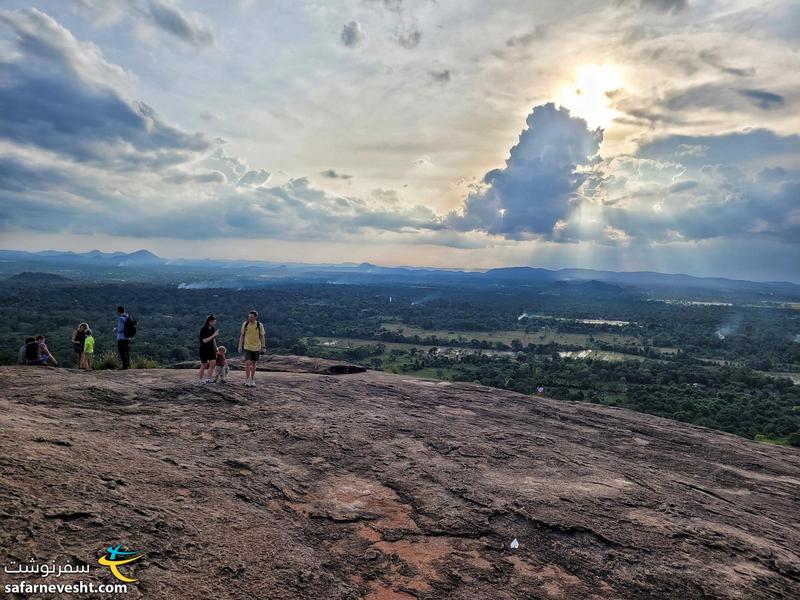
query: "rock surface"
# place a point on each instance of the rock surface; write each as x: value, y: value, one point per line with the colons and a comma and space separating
x: 377, y: 486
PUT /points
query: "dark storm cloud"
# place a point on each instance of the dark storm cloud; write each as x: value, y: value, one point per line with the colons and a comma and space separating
x: 59, y: 95
x: 171, y: 20
x: 535, y: 188
x: 352, y: 35
x: 763, y: 99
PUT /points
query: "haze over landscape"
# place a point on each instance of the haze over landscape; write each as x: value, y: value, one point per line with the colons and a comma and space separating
x: 631, y: 135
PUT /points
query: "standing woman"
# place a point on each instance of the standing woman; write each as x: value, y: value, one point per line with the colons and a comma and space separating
x: 208, y: 349
x: 78, y: 339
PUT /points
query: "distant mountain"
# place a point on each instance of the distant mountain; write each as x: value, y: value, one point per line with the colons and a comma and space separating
x: 95, y: 257
x: 34, y: 277
x: 257, y: 273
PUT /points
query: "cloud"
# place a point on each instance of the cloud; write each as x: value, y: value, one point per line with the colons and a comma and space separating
x: 763, y: 99
x: 526, y: 39
x: 180, y: 177
x: 395, y: 6
x: 77, y: 154
x: 254, y: 178
x: 712, y: 58
x: 536, y: 188
x: 173, y: 21
x: 332, y: 174
x: 410, y: 36
x: 664, y: 6
x: 442, y: 76
x: 423, y: 162
x: 737, y: 148
x: 61, y: 95
x: 352, y: 34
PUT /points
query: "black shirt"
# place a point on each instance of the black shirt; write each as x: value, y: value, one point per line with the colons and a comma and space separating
x: 206, y: 332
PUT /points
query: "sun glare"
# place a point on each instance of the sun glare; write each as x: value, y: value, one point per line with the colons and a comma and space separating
x: 587, y: 96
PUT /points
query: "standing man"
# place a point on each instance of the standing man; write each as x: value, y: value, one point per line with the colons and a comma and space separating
x: 254, y: 341
x: 123, y: 341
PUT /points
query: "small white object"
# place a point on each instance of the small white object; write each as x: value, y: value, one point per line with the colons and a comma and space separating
x: 514, y: 544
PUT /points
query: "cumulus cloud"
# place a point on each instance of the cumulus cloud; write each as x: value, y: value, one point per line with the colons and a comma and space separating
x: 78, y: 154
x: 352, y: 34
x: 537, y: 187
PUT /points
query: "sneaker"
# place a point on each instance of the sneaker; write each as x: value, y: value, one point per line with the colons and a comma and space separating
x: 252, y: 383
x: 209, y: 381
x: 247, y: 382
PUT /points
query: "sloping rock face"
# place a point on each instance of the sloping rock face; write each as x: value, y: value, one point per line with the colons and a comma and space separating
x: 287, y: 364
x: 376, y: 486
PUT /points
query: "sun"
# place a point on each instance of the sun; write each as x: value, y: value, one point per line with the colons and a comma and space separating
x: 587, y: 96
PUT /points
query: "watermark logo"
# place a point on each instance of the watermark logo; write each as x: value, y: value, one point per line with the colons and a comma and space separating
x: 112, y: 560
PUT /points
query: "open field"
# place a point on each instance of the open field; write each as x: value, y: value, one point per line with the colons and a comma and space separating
x: 506, y: 336
x: 600, y: 355
x: 340, y: 343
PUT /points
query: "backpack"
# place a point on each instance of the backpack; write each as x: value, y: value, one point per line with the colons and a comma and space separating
x: 129, y: 328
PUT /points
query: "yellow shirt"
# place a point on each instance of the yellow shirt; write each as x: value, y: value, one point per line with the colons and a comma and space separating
x: 252, y: 341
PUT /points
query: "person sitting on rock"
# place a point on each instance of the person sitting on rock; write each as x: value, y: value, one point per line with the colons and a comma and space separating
x: 37, y: 352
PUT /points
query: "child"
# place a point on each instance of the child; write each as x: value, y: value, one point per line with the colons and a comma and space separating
x: 88, y: 350
x: 220, y: 365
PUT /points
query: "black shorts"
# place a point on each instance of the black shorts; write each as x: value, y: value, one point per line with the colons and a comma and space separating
x: 207, y: 354
x: 252, y: 355
x: 78, y: 348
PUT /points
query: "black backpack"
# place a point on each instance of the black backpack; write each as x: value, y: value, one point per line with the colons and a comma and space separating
x: 129, y: 328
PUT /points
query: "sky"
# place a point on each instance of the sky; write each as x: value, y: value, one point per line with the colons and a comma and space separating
x: 625, y: 135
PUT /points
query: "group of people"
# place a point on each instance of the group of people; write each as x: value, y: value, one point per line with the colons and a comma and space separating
x: 35, y: 352
x: 83, y: 346
x: 213, y: 357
